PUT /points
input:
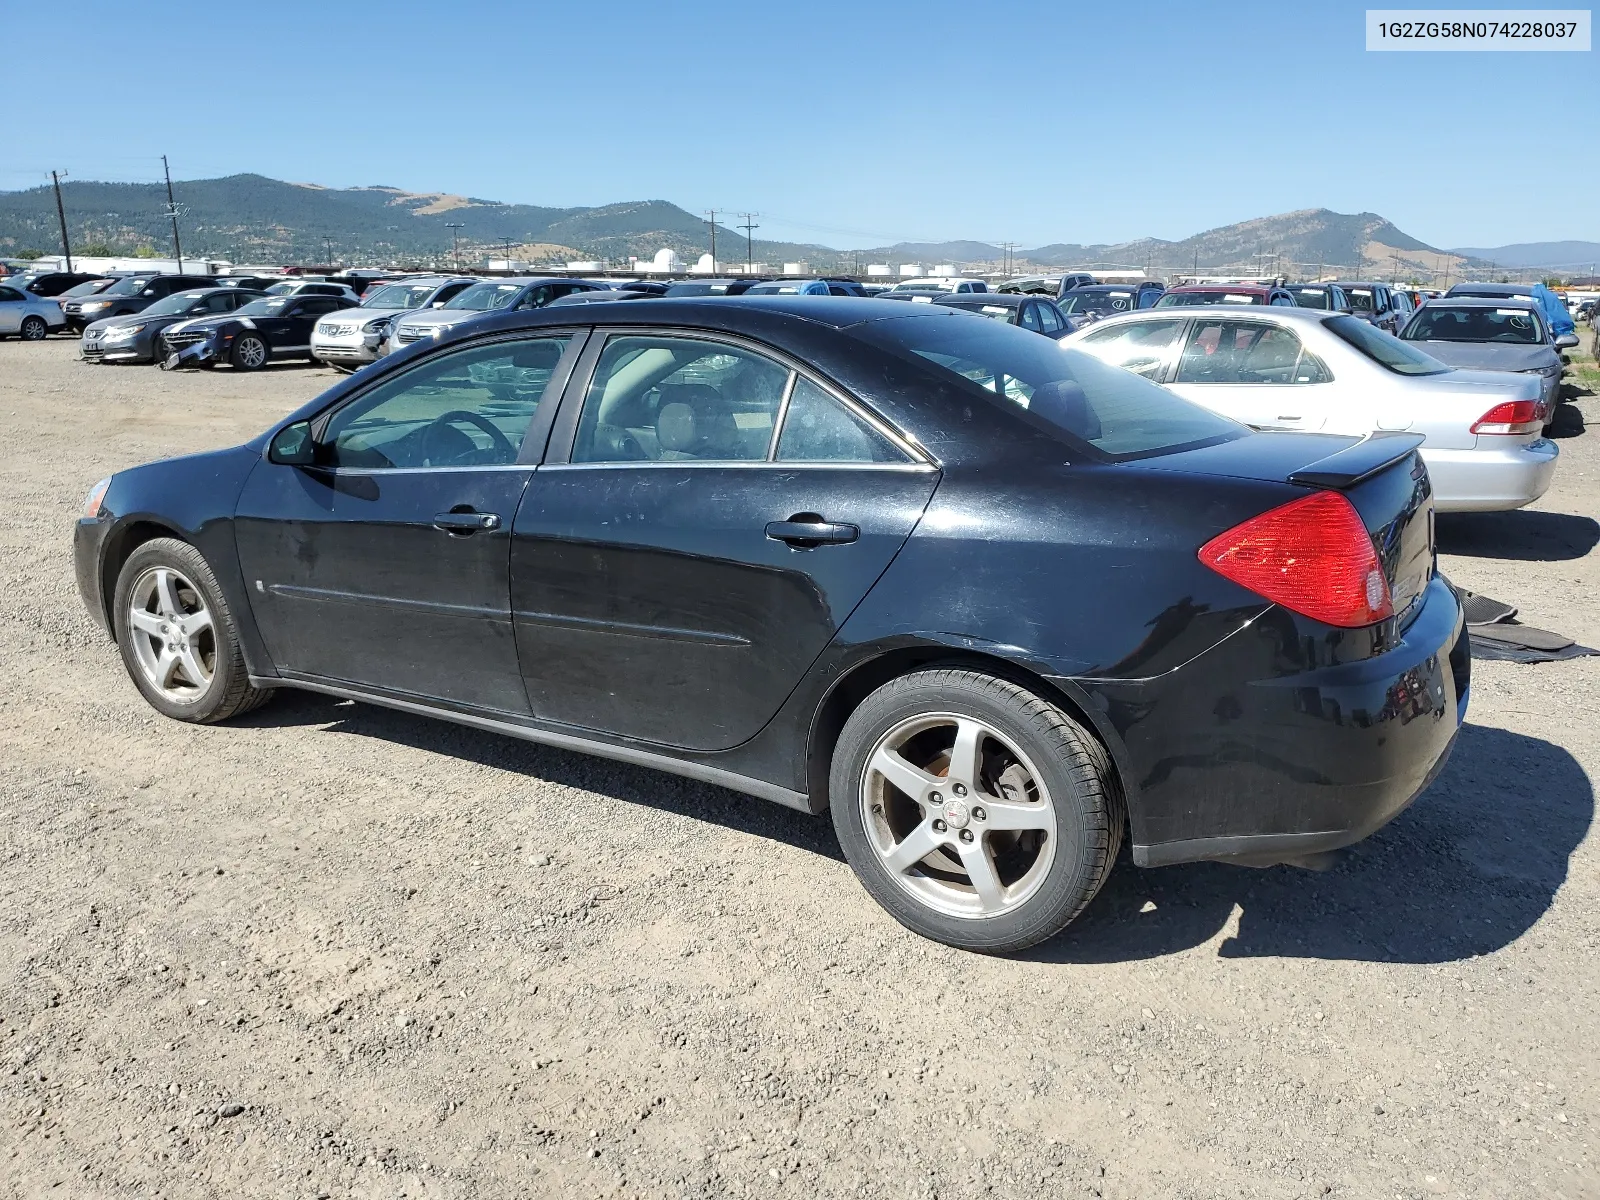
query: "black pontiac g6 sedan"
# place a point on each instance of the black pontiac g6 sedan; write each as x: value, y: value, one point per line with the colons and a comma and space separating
x: 995, y: 604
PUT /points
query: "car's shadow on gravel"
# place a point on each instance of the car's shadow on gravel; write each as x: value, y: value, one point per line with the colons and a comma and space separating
x: 1467, y: 869
x: 621, y: 781
x: 1522, y: 535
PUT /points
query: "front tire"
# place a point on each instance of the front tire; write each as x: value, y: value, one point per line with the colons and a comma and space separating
x: 250, y: 352
x: 177, y: 637
x: 34, y: 329
x: 979, y: 814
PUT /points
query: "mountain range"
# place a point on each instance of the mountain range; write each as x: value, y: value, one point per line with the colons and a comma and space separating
x: 251, y: 218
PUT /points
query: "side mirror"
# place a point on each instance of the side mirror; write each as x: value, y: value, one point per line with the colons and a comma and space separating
x: 1566, y: 341
x: 292, y: 446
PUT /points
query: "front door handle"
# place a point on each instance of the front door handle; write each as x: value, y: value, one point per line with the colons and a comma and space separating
x: 463, y: 523
x: 806, y: 530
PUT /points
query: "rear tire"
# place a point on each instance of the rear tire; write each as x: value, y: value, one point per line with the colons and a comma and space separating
x: 250, y: 352
x: 177, y: 636
x: 34, y: 329
x: 1020, y: 809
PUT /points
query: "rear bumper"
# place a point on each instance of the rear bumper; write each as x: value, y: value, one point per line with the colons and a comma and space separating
x: 1493, y: 479
x: 1251, y: 754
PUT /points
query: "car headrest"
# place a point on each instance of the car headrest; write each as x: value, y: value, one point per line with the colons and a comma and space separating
x: 695, y: 419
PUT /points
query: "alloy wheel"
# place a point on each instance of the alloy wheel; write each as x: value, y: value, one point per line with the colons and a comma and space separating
x: 34, y: 329
x: 174, y: 636
x: 958, y: 815
x: 252, y: 353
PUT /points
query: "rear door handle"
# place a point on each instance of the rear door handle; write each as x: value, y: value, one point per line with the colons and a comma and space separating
x: 465, y: 522
x: 805, y: 530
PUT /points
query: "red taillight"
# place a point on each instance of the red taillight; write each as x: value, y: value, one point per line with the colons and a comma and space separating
x: 1312, y: 555
x: 1514, y: 416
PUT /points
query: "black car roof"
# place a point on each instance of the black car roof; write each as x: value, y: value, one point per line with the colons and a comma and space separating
x: 731, y: 314
x: 1465, y: 300
x: 979, y: 299
x: 1491, y: 289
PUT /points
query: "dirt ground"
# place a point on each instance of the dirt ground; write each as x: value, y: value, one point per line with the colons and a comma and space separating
x: 336, y: 951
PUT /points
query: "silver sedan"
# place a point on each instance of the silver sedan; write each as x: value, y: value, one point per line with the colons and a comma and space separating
x: 28, y: 316
x: 1317, y: 371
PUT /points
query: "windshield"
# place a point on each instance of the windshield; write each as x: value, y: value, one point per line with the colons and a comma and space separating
x: 86, y: 289
x: 924, y: 285
x: 1219, y: 296
x: 1383, y: 348
x: 131, y: 286
x: 776, y: 289
x: 1075, y: 395
x: 995, y: 312
x: 697, y: 289
x: 1099, y: 304
x: 178, y: 302
x: 1360, y: 299
x: 1513, y: 326
x: 282, y: 289
x: 1312, y: 297
x: 481, y: 297
x: 264, y: 308
x: 399, y: 295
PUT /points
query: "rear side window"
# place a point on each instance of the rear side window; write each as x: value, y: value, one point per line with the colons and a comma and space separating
x: 1074, y: 395
x: 818, y: 428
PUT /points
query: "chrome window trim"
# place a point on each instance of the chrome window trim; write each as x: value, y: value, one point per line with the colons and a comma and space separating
x: 743, y: 463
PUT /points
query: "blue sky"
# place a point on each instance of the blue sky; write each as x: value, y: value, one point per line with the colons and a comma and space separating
x: 848, y: 124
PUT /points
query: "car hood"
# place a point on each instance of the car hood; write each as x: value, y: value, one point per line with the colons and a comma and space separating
x: 209, y: 323
x: 1491, y: 356
x: 105, y: 324
x: 446, y: 316
x: 365, y: 314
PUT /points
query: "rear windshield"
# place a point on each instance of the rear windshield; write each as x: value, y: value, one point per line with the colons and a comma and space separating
x: 1383, y: 348
x: 1076, y: 395
x: 1360, y: 299
x: 1220, y: 296
x: 1475, y: 323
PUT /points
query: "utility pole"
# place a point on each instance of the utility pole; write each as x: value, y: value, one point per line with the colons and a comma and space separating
x: 1196, y: 263
x: 455, y: 228
x: 327, y: 248
x: 505, y: 243
x: 749, y: 227
x: 172, y: 211
x: 61, y: 215
x: 711, y: 219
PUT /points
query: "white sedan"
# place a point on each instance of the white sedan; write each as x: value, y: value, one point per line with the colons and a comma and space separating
x: 1315, y: 371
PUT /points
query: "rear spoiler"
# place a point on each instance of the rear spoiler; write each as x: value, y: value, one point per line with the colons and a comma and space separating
x: 1372, y: 454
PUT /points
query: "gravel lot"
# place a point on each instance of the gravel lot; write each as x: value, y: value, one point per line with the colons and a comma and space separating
x: 337, y: 951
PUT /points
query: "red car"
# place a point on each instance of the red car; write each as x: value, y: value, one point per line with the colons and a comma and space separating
x: 1225, y: 293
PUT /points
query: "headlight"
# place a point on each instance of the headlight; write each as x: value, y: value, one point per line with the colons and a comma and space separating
x: 122, y: 332
x: 91, y: 506
x: 95, y: 305
x: 377, y: 326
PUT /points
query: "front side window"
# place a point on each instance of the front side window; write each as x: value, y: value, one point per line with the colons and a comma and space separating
x: 1138, y: 346
x: 667, y: 399
x: 467, y: 408
x: 818, y: 428
x: 1246, y: 352
x: 1075, y: 396
x: 1388, y: 351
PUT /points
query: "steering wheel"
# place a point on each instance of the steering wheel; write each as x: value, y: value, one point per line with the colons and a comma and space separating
x: 444, y: 420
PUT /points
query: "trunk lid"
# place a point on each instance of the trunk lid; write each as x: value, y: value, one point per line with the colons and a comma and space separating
x: 1382, y: 475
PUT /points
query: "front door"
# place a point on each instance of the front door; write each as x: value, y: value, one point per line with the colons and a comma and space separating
x: 386, y: 564
x: 719, y: 517
x: 1253, y: 371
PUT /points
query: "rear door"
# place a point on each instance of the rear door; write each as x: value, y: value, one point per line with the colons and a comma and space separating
x: 1253, y: 371
x: 12, y: 303
x: 707, y: 519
